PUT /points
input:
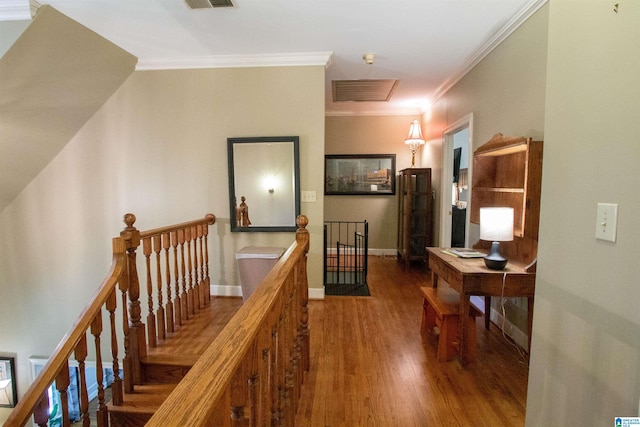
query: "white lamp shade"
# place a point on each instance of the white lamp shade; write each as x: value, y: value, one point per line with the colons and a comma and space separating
x: 496, y: 224
x: 415, y: 134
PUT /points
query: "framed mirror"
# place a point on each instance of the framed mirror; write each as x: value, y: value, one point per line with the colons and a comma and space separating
x: 264, y: 183
x: 8, y: 389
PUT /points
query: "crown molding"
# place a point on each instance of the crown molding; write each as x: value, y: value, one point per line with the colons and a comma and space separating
x: 525, y: 13
x: 352, y: 113
x: 15, y: 10
x: 235, y: 61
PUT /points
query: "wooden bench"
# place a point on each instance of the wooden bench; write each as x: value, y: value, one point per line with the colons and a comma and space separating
x: 442, y: 310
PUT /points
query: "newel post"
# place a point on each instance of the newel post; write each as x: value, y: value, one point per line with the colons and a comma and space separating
x: 135, y: 345
x: 302, y: 238
x: 302, y: 234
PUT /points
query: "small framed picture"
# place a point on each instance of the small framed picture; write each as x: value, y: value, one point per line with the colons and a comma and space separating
x: 360, y: 174
x: 8, y: 389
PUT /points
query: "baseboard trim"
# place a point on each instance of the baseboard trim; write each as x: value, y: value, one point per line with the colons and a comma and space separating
x: 383, y: 252
x: 316, y: 293
x: 236, y: 291
x: 511, y: 330
x: 226, y: 291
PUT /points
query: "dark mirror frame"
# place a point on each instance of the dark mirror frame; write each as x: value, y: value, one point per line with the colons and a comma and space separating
x: 10, y: 390
x: 231, y: 143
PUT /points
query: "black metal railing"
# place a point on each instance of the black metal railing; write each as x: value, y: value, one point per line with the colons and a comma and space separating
x: 346, y: 246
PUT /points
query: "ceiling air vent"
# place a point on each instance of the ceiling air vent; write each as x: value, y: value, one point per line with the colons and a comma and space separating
x: 208, y: 4
x: 363, y: 90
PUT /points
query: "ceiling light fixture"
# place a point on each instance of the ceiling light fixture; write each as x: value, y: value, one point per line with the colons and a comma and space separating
x: 414, y: 140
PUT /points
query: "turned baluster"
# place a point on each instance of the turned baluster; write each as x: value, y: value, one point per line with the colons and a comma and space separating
x: 116, y: 386
x: 253, y: 381
x: 96, y: 331
x: 288, y: 358
x: 80, y: 354
x: 199, y: 263
x: 207, y: 279
x: 183, y: 269
x: 62, y: 384
x: 283, y: 358
x: 302, y: 238
x: 41, y: 410
x: 193, y: 269
x: 188, y: 238
x: 166, y: 244
x: 292, y: 365
x: 274, y: 380
x: 298, y: 325
x: 293, y: 345
x: 151, y: 317
x: 265, y: 401
x: 220, y: 414
x: 123, y: 285
x: 239, y: 395
x: 157, y: 248
x: 176, y: 275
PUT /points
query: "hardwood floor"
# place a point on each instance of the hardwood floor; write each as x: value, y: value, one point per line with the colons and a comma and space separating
x: 372, y: 366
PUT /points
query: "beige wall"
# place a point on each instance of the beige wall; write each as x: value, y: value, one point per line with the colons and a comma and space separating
x: 157, y: 148
x: 369, y: 135
x: 585, y: 362
x: 505, y: 93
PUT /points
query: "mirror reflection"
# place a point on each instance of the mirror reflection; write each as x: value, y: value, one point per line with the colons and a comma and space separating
x: 264, y: 183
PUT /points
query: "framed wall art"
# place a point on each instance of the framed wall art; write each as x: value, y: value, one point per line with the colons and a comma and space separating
x: 360, y: 174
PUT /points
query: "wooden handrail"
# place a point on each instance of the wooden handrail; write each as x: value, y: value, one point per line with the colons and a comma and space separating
x: 252, y: 372
x: 209, y: 219
x: 187, y: 244
x: 59, y: 360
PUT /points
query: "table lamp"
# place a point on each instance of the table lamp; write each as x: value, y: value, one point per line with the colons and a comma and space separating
x: 496, y: 225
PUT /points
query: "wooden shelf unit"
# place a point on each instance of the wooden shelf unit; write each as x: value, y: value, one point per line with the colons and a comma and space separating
x: 507, y: 171
x: 415, y: 214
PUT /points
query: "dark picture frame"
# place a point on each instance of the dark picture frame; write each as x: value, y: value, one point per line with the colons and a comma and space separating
x: 359, y: 174
x: 8, y: 387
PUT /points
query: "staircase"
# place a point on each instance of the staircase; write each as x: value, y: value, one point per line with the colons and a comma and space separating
x: 168, y: 362
x: 195, y: 360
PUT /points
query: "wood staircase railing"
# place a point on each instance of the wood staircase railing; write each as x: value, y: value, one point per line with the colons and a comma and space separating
x: 250, y: 375
x: 35, y: 401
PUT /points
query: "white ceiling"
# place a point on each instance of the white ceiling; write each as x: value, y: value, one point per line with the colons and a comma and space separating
x: 426, y: 44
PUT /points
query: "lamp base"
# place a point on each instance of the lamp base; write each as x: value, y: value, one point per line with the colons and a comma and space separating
x: 494, y: 260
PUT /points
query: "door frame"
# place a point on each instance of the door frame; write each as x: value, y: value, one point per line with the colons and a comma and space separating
x: 447, y: 178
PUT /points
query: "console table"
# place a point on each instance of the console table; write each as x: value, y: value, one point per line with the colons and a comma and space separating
x: 469, y: 276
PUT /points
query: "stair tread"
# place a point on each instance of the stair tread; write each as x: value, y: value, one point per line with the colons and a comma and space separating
x: 147, y: 398
x: 171, y: 359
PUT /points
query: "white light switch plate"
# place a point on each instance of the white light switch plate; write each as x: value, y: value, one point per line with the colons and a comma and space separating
x: 607, y: 221
x: 308, y: 196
